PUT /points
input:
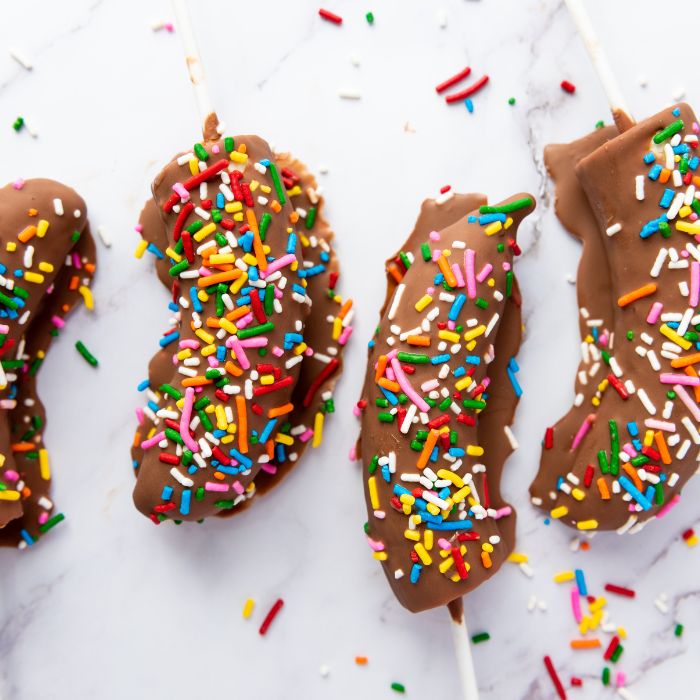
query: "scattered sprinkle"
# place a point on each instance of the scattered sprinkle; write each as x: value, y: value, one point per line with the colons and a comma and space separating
x: 568, y: 86
x: 87, y: 355
x: 330, y: 16
x: 274, y: 610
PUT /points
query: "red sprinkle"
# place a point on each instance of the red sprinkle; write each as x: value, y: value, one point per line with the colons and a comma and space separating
x: 567, y: 86
x: 271, y: 616
x: 611, y: 648
x: 459, y: 96
x: 555, y: 678
x: 620, y: 590
x: 453, y: 80
x: 330, y: 16
x: 549, y: 438
x: 688, y: 533
x: 445, y: 188
x: 576, y: 681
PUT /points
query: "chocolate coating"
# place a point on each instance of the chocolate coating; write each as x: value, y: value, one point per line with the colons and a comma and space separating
x: 310, y: 393
x: 480, y: 437
x: 632, y: 450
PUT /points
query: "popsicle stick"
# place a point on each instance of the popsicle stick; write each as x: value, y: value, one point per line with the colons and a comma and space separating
x: 463, y: 651
x: 596, y: 52
x: 195, y: 70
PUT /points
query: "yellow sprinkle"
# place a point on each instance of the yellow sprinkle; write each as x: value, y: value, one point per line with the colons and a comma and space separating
x: 33, y: 277
x: 9, y: 495
x: 318, y: 429
x: 509, y: 223
x: 337, y: 328
x: 597, y: 604
x: 294, y: 191
x: 474, y: 333
x: 518, y: 558
x: 208, y: 350
x: 222, y: 258
x: 423, y: 302
x: 622, y: 633
x: 475, y: 450
x: 587, y: 524
x: 233, y: 207
x: 493, y: 228
x: 203, y: 335
x: 238, y: 284
x: 578, y: 494
x: 688, y: 227
x: 184, y: 354
x: 422, y: 554
x: 248, y: 608
x: 44, y: 469
x: 432, y: 509
x: 140, y: 249
x: 204, y: 232
x: 42, y: 228
x: 564, y: 576
x: 240, y: 158
x: 685, y: 211
x: 250, y: 259
x: 449, y: 336
x: 45, y: 266
x: 172, y: 254
x: 229, y: 327
x: 445, y: 565
x: 412, y: 535
x: 584, y: 625
x: 373, y: 495
x: 87, y: 297
x: 380, y: 556
x: 266, y: 189
x: 284, y: 439
x: 428, y: 539
x: 456, y: 479
x: 487, y: 547
x: 559, y: 512
x: 11, y: 247
x: 672, y: 335
x: 459, y: 496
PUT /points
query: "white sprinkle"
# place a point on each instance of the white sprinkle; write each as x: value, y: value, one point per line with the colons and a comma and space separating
x: 658, y: 263
x: 639, y: 187
x: 398, y: 574
x: 612, y: 230
x: 442, y: 18
x: 511, y: 438
x: 526, y: 569
x: 21, y: 59
x: 178, y: 476
x: 349, y: 94
x: 396, y: 301
x: 58, y: 206
x: 102, y: 233
x: 324, y: 671
x: 678, y: 93
x: 646, y: 401
x: 185, y: 158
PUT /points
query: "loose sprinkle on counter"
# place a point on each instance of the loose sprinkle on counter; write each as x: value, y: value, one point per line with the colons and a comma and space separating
x: 271, y: 615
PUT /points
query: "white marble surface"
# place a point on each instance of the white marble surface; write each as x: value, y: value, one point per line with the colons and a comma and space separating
x: 109, y: 606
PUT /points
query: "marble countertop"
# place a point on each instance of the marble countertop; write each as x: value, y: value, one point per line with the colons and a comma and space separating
x: 109, y: 606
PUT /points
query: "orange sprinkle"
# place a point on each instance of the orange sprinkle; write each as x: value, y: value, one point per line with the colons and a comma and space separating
x: 585, y: 643
x: 603, y: 489
x: 394, y: 271
x: 389, y: 385
x: 90, y: 267
x: 644, y: 291
x: 486, y: 560
x: 345, y: 308
x: 420, y: 340
x: 196, y: 381
x: 237, y: 313
x: 685, y: 361
x: 661, y: 445
x: 27, y: 234
x: 690, y: 371
x: 257, y: 243
x: 632, y: 473
x: 270, y: 449
x: 242, y: 424
x: 447, y: 271
x: 276, y: 207
x: 585, y: 546
x: 137, y: 439
x: 280, y: 410
x: 227, y: 276
x: 294, y: 217
x: 381, y: 366
x: 23, y: 447
x: 232, y: 369
x: 74, y: 282
x: 430, y: 442
x: 361, y: 660
x: 665, y: 175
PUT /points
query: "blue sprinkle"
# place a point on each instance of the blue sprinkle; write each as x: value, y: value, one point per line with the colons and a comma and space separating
x: 459, y: 372
x: 221, y: 353
x: 581, y: 582
x: 469, y: 105
x: 386, y: 474
x: 185, y: 502
x: 667, y: 198
x: 451, y: 525
x: 153, y: 406
x: 143, y: 385
x: 676, y: 112
x: 220, y: 203
x: 291, y: 243
x: 456, y: 307
x: 693, y: 163
x: 170, y: 338
x: 167, y: 493
x: 438, y: 279
x: 681, y: 148
x: 456, y: 451
x: 173, y: 306
x: 415, y: 572
x: 472, y: 219
x: 196, y: 304
x: 439, y: 359
x: 312, y: 271
x: 151, y: 248
x: 299, y: 289
x: 27, y: 537
x: 633, y: 491
x: 247, y: 462
x: 267, y: 430
x: 490, y: 218
x: 649, y: 158
x: 473, y: 360
x: 655, y: 171
x: 390, y: 396
x: 632, y: 429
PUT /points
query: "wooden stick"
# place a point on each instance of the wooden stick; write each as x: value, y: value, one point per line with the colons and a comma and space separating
x: 463, y: 651
x: 195, y: 70
x: 598, y: 57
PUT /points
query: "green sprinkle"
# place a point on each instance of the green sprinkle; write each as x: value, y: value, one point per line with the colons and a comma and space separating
x: 21, y: 292
x: 445, y: 403
x: 425, y: 252
x: 75, y: 236
x: 171, y: 391
x: 200, y: 151
x: 404, y: 259
x: 373, y: 464
x: 310, y: 218
x: 678, y: 631
x: 208, y: 425
x: 10, y: 303
x: 370, y: 17
x: 385, y: 417
x: 201, y: 404
x: 18, y: 123
x: 409, y: 357
x: 665, y: 229
x: 216, y: 217
x: 224, y: 505
x: 381, y: 403
x: 671, y: 394
x: 482, y: 303
x: 599, y: 124
x: 199, y: 494
x: 474, y: 404
x: 603, y: 462
x: 268, y: 302
x: 244, y: 333
x: 511, y: 101
x: 507, y: 208
x: 605, y: 677
x: 175, y: 270
x: 617, y: 653
x: 51, y: 522
x: 229, y: 145
x: 174, y: 436
x: 659, y: 494
x: 630, y: 335
x: 509, y: 283
x: 194, y: 226
x: 481, y: 637
x: 278, y: 187
x: 614, y: 449
x: 87, y: 355
x: 669, y: 131
x: 500, y: 247
x: 398, y: 687
x: 264, y: 224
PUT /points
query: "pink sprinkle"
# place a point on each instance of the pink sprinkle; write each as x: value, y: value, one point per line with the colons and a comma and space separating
x: 376, y: 545
x: 181, y: 191
x: 185, y: 420
x: 576, y: 605
x: 503, y: 512
x: 189, y: 344
x: 585, y: 427
x: 345, y: 335
x: 685, y: 379
x: 215, y: 148
x: 436, y: 254
x: 620, y: 679
x: 306, y: 435
x: 469, y: 259
x: 484, y: 273
x: 215, y: 486
x: 277, y: 351
x: 444, y: 544
x: 58, y: 321
x: 238, y: 487
x: 457, y: 271
x: 244, y: 321
x: 690, y: 403
x: 255, y: 342
x: 694, y: 282
x: 11, y: 475
x: 668, y: 506
x: 660, y: 425
x: 406, y: 386
x: 269, y: 468
x: 235, y: 345
x: 352, y: 454
x: 139, y: 416
x: 43, y: 518
x: 138, y: 228
x: 654, y: 312
x: 434, y: 236
x: 18, y: 184
x: 278, y: 265
x: 4, y: 328
x: 147, y: 444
